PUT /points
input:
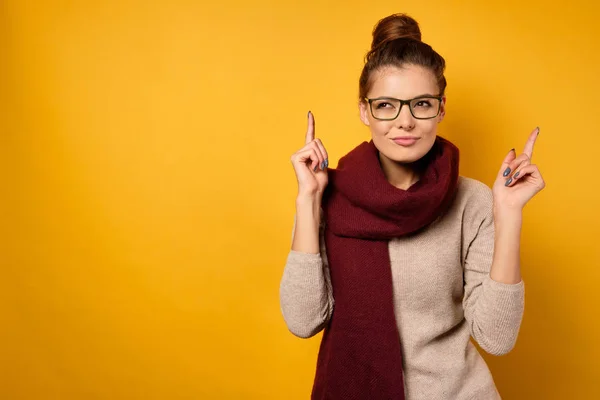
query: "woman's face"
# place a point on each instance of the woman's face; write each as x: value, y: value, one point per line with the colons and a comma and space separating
x: 404, y: 83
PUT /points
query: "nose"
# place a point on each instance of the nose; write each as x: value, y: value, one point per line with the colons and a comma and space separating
x: 405, y: 120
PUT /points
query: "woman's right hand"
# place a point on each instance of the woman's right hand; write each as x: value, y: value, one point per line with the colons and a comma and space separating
x: 310, y: 163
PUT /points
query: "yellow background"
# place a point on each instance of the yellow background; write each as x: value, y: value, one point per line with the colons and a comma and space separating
x: 147, y: 195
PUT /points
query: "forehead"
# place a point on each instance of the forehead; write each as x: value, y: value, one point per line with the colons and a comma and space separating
x: 404, y: 83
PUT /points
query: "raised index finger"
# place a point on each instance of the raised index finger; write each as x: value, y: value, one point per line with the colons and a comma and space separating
x: 310, y: 131
x: 531, y: 142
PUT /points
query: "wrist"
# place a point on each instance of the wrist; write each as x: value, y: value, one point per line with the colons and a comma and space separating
x: 308, y: 205
x: 507, y: 212
x: 308, y: 198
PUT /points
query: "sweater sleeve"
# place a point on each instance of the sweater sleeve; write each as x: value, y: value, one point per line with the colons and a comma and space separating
x: 305, y: 292
x: 493, y: 310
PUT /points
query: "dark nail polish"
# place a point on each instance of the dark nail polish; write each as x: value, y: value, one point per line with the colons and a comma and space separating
x: 326, y: 162
x: 517, y: 174
x: 508, y: 182
x: 323, y: 165
x: 538, y: 129
x: 315, y: 169
x: 506, y: 172
x: 513, y: 149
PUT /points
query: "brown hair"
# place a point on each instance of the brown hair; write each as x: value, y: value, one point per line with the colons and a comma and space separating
x: 397, y: 42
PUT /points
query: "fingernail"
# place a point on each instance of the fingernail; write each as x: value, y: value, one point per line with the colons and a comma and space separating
x: 323, y: 165
x: 538, y: 129
x: 513, y: 149
x: 326, y: 162
x: 508, y: 182
x: 315, y: 169
x: 506, y: 172
x: 517, y: 174
x: 308, y: 112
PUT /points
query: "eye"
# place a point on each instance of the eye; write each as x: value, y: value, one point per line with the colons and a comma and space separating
x: 383, y: 104
x: 423, y: 103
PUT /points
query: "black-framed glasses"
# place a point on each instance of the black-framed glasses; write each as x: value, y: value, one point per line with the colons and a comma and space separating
x: 388, y: 108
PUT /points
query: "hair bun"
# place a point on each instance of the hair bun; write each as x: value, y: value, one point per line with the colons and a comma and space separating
x: 395, y: 26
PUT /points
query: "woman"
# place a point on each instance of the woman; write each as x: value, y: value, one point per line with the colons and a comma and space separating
x: 398, y: 258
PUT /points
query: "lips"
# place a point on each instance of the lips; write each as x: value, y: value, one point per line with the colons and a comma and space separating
x: 405, y: 140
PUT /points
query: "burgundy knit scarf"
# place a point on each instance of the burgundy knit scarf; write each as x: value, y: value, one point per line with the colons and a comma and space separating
x: 360, y: 355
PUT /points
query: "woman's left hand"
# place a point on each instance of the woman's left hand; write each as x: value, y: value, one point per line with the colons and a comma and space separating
x: 518, y: 179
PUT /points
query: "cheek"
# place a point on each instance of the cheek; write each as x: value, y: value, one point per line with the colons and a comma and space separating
x: 380, y: 127
x: 429, y: 127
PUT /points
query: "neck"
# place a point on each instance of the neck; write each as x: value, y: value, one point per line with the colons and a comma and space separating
x: 399, y: 175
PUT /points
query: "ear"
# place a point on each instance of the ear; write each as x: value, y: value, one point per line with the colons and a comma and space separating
x: 442, y: 110
x: 363, y: 108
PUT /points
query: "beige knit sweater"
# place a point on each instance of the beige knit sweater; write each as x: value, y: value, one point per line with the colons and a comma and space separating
x: 443, y: 295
